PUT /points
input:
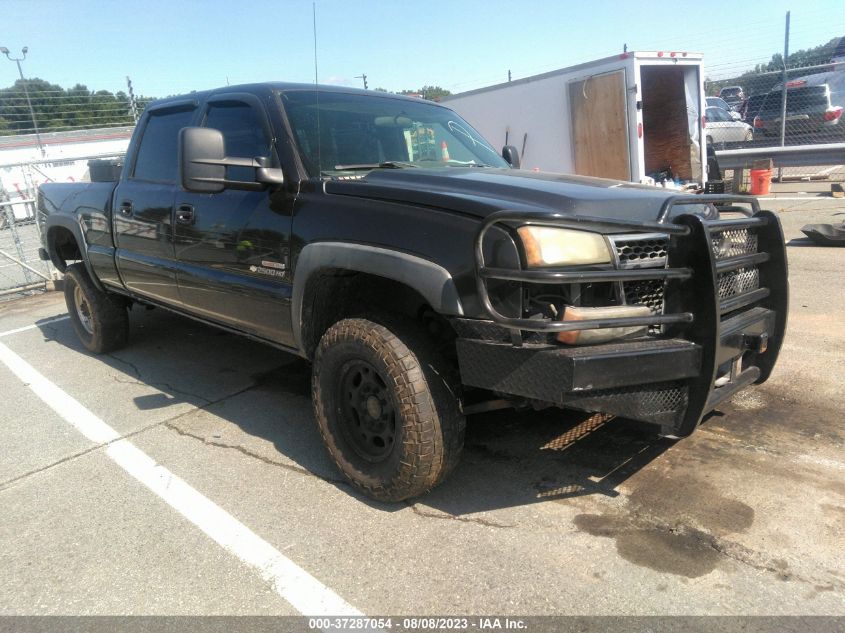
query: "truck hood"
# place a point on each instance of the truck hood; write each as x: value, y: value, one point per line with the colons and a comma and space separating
x: 479, y: 192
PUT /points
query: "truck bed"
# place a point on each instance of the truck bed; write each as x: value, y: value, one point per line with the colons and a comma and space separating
x: 75, y: 197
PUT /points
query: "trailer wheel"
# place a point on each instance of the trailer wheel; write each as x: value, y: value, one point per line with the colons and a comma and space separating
x: 385, y: 409
x: 99, y: 318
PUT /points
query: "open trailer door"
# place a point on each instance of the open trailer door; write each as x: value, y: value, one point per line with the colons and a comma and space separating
x: 599, y: 116
x: 671, y: 114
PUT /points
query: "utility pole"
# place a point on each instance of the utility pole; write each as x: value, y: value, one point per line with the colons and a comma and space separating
x: 362, y: 76
x: 133, y: 106
x: 783, y: 96
x: 18, y: 61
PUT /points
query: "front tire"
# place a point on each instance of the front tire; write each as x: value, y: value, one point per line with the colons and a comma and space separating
x: 100, y: 319
x: 385, y: 409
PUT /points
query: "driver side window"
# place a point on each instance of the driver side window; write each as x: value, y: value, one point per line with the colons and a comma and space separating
x: 243, y: 132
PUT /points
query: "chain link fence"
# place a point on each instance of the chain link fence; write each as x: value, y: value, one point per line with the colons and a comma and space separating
x: 22, y: 271
x: 792, y: 106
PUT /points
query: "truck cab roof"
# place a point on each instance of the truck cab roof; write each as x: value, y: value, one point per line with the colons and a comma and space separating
x: 263, y: 88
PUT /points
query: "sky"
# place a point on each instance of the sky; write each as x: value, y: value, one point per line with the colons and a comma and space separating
x: 175, y: 46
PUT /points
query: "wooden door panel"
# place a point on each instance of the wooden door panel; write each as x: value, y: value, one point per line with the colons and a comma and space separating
x: 599, y: 117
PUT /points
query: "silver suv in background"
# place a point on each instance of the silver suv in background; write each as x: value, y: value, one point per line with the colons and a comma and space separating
x: 814, y: 106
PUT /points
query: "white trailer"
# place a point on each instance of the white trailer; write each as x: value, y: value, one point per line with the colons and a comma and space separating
x: 621, y: 117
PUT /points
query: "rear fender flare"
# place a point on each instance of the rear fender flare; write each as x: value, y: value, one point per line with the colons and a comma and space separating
x: 71, y: 225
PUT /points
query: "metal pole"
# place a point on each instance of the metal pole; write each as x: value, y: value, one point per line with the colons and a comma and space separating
x: 31, y: 111
x: 18, y: 61
x: 133, y: 106
x: 13, y: 291
x: 783, y: 94
x: 24, y: 264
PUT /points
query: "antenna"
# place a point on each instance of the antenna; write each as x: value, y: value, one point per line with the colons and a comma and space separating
x: 317, y: 92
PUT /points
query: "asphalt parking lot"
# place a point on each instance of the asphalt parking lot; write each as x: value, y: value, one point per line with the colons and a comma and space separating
x: 548, y: 513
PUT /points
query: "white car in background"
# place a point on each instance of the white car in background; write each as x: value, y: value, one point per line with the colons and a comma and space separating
x: 721, y: 128
x: 716, y: 102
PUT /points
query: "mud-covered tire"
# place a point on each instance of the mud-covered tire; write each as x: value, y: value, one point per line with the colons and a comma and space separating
x: 100, y: 319
x: 428, y: 426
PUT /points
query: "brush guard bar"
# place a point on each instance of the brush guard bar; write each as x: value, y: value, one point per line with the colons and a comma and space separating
x: 742, y: 329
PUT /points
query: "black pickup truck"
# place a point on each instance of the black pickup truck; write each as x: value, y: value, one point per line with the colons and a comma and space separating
x: 420, y: 271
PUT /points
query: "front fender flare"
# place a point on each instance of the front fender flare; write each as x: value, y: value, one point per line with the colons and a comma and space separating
x: 431, y: 280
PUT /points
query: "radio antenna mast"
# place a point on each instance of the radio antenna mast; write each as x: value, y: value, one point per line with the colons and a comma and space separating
x: 317, y: 92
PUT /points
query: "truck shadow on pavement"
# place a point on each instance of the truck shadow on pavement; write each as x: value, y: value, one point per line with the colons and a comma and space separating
x: 255, y: 399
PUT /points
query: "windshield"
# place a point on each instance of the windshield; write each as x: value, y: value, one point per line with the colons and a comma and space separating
x: 364, y: 131
x: 718, y: 103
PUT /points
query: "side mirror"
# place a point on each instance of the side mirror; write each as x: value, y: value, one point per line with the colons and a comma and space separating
x: 203, y: 163
x: 736, y: 116
x: 201, y: 152
x: 511, y: 155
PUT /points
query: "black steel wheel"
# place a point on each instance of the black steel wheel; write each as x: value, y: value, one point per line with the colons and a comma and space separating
x: 367, y: 415
x: 386, y: 408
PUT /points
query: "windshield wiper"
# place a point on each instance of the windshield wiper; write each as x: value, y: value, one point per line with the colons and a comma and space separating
x: 388, y: 164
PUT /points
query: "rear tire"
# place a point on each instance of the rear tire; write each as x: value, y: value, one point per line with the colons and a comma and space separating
x: 100, y: 319
x: 385, y: 408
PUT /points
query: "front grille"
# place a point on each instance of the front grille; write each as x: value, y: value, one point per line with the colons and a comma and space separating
x: 648, y: 292
x: 734, y: 243
x: 641, y: 251
x: 645, y: 250
x: 736, y: 282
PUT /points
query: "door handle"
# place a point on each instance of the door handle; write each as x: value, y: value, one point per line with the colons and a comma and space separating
x: 126, y: 208
x: 185, y: 214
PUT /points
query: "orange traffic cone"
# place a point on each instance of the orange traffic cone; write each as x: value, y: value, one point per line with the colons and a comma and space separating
x: 445, y: 151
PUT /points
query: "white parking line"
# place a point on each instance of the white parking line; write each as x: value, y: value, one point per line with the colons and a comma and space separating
x: 810, y: 197
x: 304, y: 592
x: 34, y: 326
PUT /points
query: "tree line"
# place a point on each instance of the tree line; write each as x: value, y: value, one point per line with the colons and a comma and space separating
x: 57, y: 109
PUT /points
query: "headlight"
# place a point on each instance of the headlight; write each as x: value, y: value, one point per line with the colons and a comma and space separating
x: 546, y: 246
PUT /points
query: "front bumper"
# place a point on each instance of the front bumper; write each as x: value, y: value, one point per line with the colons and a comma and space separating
x: 712, y: 343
